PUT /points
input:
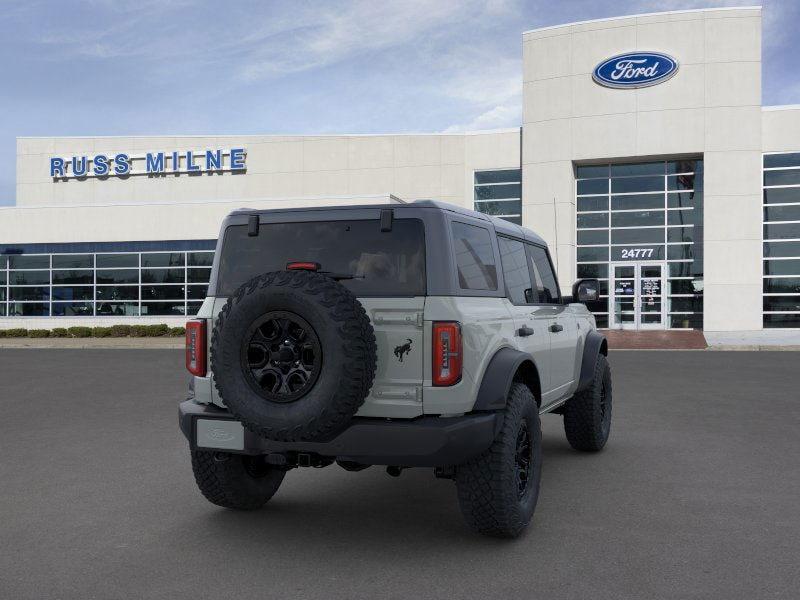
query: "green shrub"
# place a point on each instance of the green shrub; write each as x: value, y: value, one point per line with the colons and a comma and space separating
x: 59, y: 332
x: 157, y: 330
x: 16, y: 332
x: 2, y: 333
x: 138, y: 330
x: 120, y: 330
x: 176, y: 332
x: 101, y: 332
x: 80, y: 332
x: 38, y: 333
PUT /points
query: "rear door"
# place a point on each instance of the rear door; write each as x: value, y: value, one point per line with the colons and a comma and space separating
x: 531, y: 334
x: 559, y: 320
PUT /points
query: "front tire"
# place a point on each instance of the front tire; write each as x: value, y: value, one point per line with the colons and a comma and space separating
x: 498, y: 490
x: 587, y: 415
x: 235, y: 480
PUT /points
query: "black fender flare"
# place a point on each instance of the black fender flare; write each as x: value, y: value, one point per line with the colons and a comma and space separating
x: 498, y: 377
x: 594, y: 345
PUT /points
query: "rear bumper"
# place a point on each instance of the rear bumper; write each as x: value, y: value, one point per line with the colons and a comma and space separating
x: 422, y: 442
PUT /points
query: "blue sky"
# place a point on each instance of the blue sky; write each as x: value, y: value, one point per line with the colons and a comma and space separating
x: 152, y: 67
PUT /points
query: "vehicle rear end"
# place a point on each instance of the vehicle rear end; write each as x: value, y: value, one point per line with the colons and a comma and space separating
x: 376, y: 253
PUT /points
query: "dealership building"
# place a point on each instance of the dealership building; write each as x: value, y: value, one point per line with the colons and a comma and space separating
x: 645, y: 158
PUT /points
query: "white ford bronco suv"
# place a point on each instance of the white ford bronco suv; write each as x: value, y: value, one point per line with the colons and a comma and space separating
x: 406, y: 335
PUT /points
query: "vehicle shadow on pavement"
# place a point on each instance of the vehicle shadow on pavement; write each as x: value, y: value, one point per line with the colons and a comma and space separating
x: 356, y: 508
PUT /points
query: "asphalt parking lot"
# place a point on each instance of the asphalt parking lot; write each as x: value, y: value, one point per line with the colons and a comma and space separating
x: 696, y: 496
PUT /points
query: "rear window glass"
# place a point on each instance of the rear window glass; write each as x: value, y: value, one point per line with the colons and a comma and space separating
x: 388, y: 263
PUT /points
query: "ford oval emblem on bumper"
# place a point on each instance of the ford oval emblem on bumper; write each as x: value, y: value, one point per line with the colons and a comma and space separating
x: 635, y: 70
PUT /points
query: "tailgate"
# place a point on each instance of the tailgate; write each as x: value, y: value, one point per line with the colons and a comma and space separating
x: 398, y: 325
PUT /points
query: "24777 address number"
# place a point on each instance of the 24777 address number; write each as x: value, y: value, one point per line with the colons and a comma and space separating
x: 637, y: 252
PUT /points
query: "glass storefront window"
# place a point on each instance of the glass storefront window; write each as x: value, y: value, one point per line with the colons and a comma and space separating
x: 73, y: 261
x: 79, y: 277
x: 781, y: 287
x: 114, y: 261
x: 72, y: 292
x: 499, y: 193
x: 28, y: 309
x: 200, y: 259
x: 164, y: 259
x: 104, y: 284
x: 35, y: 261
x: 654, y: 212
x: 163, y: 275
x: 29, y: 277
x: 73, y: 309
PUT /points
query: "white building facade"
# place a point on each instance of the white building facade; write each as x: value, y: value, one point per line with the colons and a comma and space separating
x: 645, y: 158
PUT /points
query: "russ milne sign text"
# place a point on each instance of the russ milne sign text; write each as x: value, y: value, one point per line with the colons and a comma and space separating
x: 122, y: 164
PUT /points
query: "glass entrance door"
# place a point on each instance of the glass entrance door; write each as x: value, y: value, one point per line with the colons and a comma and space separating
x: 637, y: 300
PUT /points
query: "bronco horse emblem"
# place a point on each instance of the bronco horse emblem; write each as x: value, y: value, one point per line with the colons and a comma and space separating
x: 399, y: 351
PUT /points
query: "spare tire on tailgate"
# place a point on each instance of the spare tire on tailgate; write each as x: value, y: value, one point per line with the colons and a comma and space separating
x: 293, y: 355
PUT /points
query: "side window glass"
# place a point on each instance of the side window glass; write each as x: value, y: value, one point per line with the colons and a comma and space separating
x: 474, y: 257
x: 546, y: 286
x: 515, y: 270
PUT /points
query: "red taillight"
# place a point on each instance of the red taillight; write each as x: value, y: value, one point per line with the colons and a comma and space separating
x: 196, y: 347
x: 302, y: 266
x: 447, y: 353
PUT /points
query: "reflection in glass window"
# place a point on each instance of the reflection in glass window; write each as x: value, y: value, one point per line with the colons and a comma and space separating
x: 163, y: 275
x: 593, y: 236
x: 593, y: 220
x: 72, y: 292
x: 73, y: 309
x: 24, y: 261
x: 73, y: 261
x: 175, y: 309
x: 499, y: 193
x: 79, y: 277
x: 162, y: 292
x: 543, y: 274
x: 117, y: 309
x: 474, y: 257
x: 198, y: 275
x: 637, y: 184
x: 200, y: 259
x: 515, y: 270
x: 117, y: 292
x: 29, y: 278
x: 29, y: 293
x: 196, y: 292
x: 163, y: 259
x: 28, y: 309
x: 111, y: 261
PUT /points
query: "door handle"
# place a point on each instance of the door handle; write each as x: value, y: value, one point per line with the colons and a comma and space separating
x: 524, y: 331
x: 556, y: 327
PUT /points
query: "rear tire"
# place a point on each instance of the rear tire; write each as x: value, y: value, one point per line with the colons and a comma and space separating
x: 587, y: 415
x: 235, y: 480
x: 495, y: 496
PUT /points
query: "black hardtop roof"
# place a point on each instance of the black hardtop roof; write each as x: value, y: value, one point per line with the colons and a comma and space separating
x: 500, y: 225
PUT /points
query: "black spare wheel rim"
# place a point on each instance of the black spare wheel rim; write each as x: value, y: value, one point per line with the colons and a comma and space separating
x: 523, y: 459
x: 281, y: 356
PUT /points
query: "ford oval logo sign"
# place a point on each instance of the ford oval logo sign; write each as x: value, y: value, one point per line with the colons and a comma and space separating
x: 635, y: 70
